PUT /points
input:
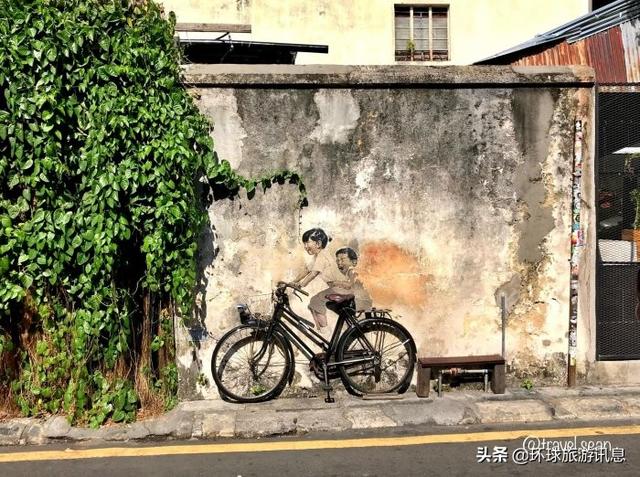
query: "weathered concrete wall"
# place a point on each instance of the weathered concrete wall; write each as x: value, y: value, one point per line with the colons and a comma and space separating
x: 454, y: 184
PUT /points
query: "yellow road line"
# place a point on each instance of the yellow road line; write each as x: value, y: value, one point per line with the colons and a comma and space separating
x: 70, y: 454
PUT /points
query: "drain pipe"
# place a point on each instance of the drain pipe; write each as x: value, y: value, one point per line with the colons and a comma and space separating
x: 577, y: 243
x: 503, y: 313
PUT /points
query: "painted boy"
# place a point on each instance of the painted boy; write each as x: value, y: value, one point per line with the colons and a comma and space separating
x: 347, y: 260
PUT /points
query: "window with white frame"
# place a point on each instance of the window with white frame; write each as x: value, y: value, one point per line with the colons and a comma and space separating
x: 422, y: 33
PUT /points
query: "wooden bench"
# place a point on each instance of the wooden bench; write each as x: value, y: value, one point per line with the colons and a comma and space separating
x: 431, y: 368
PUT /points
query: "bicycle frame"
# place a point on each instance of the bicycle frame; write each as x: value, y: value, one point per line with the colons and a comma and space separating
x: 349, y: 340
x: 284, y: 317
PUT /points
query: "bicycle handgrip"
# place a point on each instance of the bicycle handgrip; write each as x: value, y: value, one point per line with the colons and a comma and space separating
x: 296, y: 288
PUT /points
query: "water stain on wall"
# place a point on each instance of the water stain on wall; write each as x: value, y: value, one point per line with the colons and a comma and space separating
x: 532, y: 118
x: 392, y: 275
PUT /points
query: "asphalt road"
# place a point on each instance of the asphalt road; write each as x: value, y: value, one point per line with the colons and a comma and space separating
x: 419, y: 451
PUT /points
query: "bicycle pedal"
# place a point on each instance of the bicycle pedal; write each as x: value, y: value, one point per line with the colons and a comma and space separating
x: 329, y: 400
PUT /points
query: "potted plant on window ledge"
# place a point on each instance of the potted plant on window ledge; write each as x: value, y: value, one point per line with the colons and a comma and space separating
x: 411, y: 48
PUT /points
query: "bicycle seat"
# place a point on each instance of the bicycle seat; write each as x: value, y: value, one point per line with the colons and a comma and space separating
x: 338, y: 298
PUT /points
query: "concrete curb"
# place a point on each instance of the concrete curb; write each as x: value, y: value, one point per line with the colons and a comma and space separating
x: 218, y: 419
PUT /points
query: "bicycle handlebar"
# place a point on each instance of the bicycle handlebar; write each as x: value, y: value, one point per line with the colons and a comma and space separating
x: 291, y: 285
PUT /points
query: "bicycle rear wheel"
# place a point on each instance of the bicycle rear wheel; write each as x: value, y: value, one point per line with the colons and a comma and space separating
x: 248, y: 367
x: 393, y: 352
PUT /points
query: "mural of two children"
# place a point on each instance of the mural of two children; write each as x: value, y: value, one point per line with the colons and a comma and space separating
x: 339, y: 273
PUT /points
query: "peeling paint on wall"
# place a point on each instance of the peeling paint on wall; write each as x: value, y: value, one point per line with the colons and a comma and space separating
x: 543, y: 268
x: 533, y: 111
x: 339, y: 114
x: 222, y: 108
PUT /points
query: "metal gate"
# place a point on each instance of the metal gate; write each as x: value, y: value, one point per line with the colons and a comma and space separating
x: 618, y: 224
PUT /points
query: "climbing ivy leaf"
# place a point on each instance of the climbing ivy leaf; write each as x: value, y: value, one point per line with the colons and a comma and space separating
x: 102, y: 153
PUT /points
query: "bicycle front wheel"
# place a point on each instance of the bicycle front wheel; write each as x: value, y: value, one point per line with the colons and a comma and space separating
x: 391, y: 355
x: 248, y: 367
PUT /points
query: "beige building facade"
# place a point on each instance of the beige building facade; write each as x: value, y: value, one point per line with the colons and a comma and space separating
x: 384, y: 32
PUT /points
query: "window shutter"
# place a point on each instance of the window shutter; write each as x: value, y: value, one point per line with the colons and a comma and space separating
x: 402, y: 28
x: 440, y: 31
x: 421, y: 29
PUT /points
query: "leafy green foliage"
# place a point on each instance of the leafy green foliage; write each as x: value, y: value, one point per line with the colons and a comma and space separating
x: 102, y: 156
x: 635, y: 197
x: 527, y: 384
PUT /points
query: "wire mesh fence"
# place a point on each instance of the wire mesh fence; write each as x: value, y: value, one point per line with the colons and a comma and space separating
x: 618, y: 226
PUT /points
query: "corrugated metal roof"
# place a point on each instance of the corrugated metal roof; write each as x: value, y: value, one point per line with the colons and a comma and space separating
x: 603, y: 51
x: 630, y: 40
x: 582, y: 27
x: 606, y: 56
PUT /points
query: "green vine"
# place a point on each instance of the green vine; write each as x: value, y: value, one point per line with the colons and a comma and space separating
x: 102, y: 156
x: 635, y: 197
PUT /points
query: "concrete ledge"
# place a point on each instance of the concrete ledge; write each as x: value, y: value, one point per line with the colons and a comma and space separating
x: 211, y: 419
x: 368, y: 418
x: 501, y: 412
x: 594, y: 408
x: 372, y: 76
x: 265, y: 423
x: 608, y: 372
x: 11, y: 432
x: 326, y: 420
x: 215, y: 425
x: 442, y: 412
x: 56, y: 426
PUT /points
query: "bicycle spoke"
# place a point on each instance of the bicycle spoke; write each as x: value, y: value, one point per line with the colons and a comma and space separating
x: 394, y: 346
x: 247, y: 367
x: 390, y: 347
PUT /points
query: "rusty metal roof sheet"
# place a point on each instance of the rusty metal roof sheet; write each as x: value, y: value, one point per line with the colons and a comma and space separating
x: 606, y: 56
x: 630, y: 39
x: 604, y: 52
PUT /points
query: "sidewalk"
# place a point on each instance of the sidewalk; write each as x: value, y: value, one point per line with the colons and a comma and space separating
x: 211, y: 419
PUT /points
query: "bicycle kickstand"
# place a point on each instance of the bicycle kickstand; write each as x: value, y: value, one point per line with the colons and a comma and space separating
x: 327, y: 387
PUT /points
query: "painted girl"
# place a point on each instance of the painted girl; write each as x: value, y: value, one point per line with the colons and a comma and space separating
x: 321, y: 265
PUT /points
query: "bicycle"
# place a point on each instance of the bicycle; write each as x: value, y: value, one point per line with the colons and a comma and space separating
x: 254, y: 361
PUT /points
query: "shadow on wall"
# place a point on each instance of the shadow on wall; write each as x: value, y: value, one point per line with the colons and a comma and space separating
x: 207, y: 248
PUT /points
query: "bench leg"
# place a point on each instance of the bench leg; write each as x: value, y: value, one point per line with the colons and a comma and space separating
x: 498, y: 379
x: 424, y: 381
